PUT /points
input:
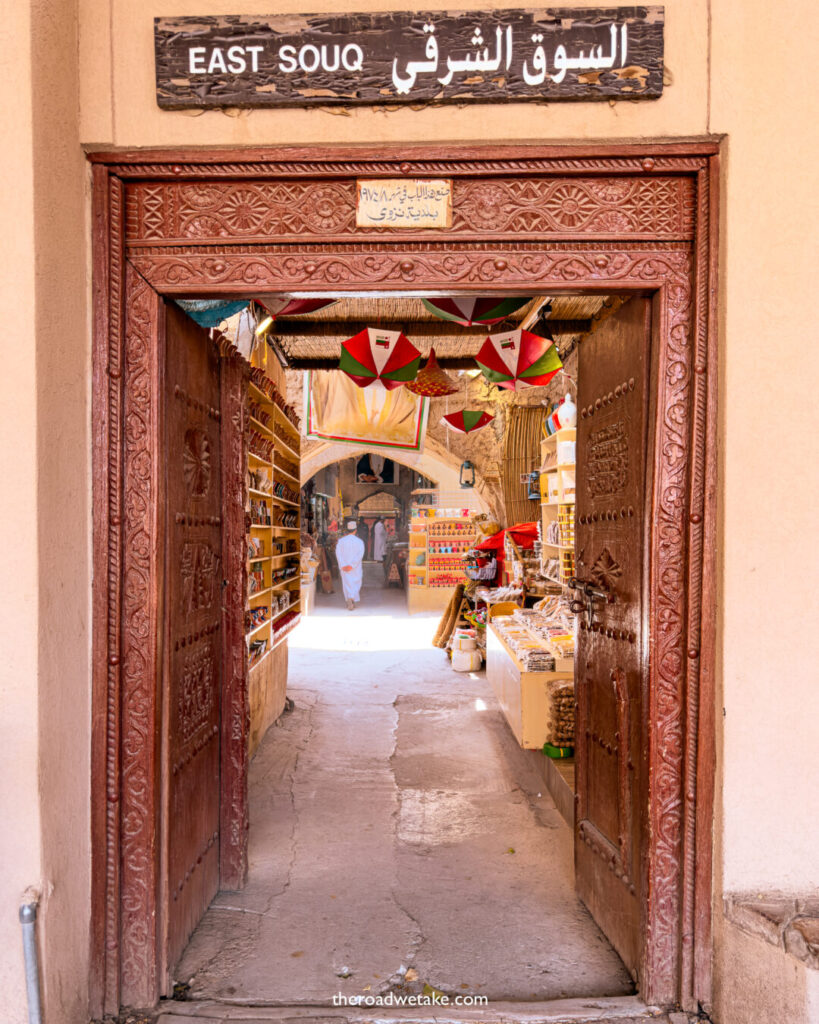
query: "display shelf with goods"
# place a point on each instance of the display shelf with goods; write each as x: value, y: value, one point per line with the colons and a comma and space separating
x: 530, y: 666
x: 438, y: 540
x: 557, y: 496
x: 272, y: 515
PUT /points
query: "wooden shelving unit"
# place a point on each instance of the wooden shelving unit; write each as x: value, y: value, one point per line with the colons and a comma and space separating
x: 273, y: 520
x: 429, y: 586
x: 557, y: 493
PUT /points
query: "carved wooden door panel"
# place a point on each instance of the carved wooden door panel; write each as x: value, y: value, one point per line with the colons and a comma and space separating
x: 611, y: 752
x: 193, y: 659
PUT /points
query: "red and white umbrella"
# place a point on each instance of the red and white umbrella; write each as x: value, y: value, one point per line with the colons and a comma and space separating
x: 518, y: 359
x: 373, y: 354
x: 469, y: 310
x: 467, y: 421
x: 286, y: 305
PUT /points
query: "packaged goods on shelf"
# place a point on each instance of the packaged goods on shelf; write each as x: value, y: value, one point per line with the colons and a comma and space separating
x: 259, y: 445
x: 256, y: 616
x: 256, y: 649
x: 259, y: 513
x: 492, y: 595
x: 561, y: 694
x: 281, y: 490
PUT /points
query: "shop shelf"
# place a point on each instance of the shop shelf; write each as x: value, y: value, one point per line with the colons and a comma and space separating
x: 259, y: 395
x: 257, y: 628
x: 283, y: 444
x: 279, y: 615
x: 258, y: 593
x: 281, y: 583
x: 261, y: 427
x: 278, y: 471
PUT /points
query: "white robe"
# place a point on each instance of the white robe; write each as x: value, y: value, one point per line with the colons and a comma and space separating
x: 379, y: 541
x: 350, y: 551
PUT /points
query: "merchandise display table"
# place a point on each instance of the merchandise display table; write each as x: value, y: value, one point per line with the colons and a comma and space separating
x: 525, y: 697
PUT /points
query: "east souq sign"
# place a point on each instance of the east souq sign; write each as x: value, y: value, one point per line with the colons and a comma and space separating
x: 437, y: 57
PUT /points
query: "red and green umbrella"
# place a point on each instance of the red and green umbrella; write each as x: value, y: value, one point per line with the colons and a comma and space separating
x: 468, y: 310
x: 286, y: 305
x: 373, y: 354
x: 467, y: 421
x: 518, y: 359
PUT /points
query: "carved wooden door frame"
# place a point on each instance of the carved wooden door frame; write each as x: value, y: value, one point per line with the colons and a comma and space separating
x: 526, y: 218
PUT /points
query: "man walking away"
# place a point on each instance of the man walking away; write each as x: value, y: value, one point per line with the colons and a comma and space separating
x: 349, y: 553
x: 379, y: 541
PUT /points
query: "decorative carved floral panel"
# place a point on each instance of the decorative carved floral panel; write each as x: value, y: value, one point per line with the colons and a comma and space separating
x: 661, y: 207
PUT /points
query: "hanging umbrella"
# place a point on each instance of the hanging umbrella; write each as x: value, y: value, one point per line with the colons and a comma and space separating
x: 469, y: 310
x: 373, y: 354
x: 467, y: 421
x: 518, y: 359
x: 432, y: 382
x: 286, y: 305
x: 210, y: 312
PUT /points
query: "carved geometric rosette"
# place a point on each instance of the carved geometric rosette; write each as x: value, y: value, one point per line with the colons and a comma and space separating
x: 185, y: 212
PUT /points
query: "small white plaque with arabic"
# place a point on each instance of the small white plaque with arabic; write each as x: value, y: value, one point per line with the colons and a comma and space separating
x: 404, y: 203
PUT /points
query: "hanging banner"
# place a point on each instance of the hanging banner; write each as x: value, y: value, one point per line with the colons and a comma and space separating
x: 336, y: 409
x: 296, y: 60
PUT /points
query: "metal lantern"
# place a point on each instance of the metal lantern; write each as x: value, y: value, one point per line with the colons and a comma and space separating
x: 467, y: 474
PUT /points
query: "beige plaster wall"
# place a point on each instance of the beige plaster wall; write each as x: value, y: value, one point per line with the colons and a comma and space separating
x: 20, y: 848
x: 62, y: 337
x: 769, y: 450
x: 44, y: 456
x: 118, y: 93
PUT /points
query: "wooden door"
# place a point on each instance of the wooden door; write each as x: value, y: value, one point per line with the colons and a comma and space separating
x: 611, y: 734
x: 193, y: 661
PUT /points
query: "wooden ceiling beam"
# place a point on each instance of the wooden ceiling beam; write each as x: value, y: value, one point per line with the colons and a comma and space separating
x: 445, y: 362
x: 423, y: 328
x: 337, y: 331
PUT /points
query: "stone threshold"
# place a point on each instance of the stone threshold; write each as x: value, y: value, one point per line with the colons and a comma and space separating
x: 789, y: 922
x: 617, y: 1010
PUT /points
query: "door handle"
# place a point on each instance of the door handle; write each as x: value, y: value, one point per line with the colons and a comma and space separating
x: 592, y: 594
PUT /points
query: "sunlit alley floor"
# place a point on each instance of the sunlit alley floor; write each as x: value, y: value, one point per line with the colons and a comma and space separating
x: 398, y: 838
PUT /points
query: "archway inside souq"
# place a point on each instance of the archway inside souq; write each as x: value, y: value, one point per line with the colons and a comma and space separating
x: 647, y: 231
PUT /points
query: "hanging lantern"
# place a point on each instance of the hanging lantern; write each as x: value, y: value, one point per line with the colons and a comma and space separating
x: 373, y: 354
x: 467, y: 474
x: 286, y: 305
x: 518, y: 359
x: 468, y: 310
x: 431, y: 381
x: 467, y: 421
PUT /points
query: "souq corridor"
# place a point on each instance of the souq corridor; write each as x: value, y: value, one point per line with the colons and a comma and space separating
x: 399, y: 837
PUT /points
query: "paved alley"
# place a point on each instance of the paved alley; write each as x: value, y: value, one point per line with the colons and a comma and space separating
x: 398, y: 838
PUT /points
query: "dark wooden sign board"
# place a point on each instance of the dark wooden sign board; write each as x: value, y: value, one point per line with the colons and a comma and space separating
x: 295, y: 60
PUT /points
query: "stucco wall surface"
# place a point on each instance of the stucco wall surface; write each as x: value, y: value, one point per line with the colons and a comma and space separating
x: 44, y: 511
x: 20, y: 849
x: 62, y: 334
x: 118, y: 91
x: 769, y: 432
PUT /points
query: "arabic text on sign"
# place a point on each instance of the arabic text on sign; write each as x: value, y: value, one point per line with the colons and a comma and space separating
x: 409, y: 204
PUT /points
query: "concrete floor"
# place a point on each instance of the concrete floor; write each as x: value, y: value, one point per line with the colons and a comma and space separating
x: 398, y: 838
